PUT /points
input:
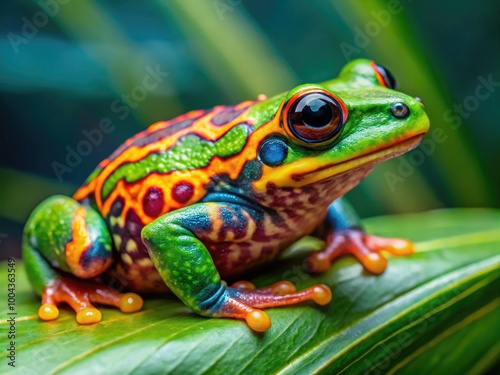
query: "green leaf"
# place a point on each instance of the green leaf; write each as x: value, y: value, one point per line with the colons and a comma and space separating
x: 436, y: 311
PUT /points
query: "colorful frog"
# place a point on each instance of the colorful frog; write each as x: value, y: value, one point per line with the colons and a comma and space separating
x: 212, y: 194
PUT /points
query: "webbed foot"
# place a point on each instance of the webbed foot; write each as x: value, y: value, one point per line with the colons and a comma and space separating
x: 365, y: 247
x: 80, y: 297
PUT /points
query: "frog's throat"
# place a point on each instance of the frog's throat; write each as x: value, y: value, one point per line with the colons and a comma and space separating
x: 329, y: 171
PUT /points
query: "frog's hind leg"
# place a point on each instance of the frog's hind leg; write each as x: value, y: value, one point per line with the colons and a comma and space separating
x: 177, y: 245
x: 63, y: 237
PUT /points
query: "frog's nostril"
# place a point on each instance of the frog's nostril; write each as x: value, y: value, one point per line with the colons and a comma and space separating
x: 418, y: 99
x: 400, y: 110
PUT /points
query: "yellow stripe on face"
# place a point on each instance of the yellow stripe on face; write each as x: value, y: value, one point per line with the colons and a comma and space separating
x: 80, y: 240
x: 309, y: 170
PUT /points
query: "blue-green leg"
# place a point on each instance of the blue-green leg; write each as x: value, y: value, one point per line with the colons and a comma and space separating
x: 177, y: 243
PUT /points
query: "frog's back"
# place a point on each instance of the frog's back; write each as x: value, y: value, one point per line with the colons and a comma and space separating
x: 170, y: 165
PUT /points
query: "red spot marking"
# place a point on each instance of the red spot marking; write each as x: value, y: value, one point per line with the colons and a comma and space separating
x: 153, y: 201
x: 183, y: 192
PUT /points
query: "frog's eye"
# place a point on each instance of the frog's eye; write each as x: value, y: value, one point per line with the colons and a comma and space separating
x: 384, y: 76
x: 314, y: 117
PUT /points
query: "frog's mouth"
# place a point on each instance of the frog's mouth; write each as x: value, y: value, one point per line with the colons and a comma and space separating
x: 328, y: 171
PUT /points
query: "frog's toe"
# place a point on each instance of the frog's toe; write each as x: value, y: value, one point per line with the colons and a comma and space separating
x: 80, y: 296
x: 48, y: 312
x: 395, y: 246
x: 89, y: 315
x: 242, y: 284
x: 372, y: 262
x: 321, y: 294
x: 281, y: 287
x: 258, y: 320
x: 365, y: 247
x: 130, y: 302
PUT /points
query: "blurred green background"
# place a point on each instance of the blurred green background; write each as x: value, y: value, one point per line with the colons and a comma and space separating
x: 67, y: 65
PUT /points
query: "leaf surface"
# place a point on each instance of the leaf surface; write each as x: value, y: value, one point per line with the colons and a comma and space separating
x: 437, y: 310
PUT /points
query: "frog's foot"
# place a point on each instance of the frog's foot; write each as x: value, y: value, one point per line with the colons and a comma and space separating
x: 365, y: 247
x: 80, y: 296
x: 243, y: 301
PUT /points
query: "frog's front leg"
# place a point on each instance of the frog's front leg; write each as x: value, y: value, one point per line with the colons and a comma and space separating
x: 177, y: 243
x: 343, y: 235
x: 63, y: 237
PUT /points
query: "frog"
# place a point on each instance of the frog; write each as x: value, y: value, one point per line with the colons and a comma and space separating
x: 189, y: 205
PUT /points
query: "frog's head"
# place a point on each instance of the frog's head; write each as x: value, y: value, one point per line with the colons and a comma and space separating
x: 334, y: 133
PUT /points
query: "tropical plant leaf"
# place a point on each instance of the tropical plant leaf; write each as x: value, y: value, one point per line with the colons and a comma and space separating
x: 433, y: 312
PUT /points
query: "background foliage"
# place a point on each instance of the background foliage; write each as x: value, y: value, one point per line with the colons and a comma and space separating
x: 72, y: 67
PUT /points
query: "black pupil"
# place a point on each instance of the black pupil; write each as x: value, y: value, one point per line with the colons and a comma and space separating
x: 317, y: 113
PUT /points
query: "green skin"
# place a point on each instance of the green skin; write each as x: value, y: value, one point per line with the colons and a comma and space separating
x: 183, y: 244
